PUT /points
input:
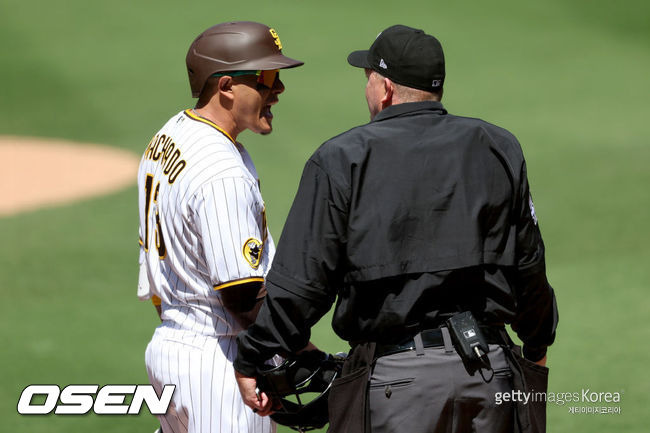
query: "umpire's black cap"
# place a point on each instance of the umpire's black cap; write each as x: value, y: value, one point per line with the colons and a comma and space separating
x: 407, y: 56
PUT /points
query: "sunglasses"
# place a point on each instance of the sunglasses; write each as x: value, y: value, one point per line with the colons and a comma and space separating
x: 264, y: 78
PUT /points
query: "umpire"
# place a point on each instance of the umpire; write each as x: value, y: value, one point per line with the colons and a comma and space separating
x: 406, y: 222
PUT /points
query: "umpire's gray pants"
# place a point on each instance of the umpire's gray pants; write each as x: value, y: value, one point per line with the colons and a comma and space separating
x: 433, y: 393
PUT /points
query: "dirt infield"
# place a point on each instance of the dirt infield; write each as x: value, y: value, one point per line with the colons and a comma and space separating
x: 40, y: 172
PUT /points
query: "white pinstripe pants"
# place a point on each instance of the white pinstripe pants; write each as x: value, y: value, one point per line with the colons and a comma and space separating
x: 206, y: 399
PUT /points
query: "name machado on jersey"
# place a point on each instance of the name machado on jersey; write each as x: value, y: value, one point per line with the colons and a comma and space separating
x: 163, y: 149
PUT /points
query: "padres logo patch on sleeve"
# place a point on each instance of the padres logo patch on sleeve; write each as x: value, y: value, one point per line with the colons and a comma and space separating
x: 253, y: 252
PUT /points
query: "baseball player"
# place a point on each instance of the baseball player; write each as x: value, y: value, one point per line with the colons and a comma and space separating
x: 204, y: 244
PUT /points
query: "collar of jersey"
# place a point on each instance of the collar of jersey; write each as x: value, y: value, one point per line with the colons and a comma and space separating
x: 409, y: 107
x: 191, y: 115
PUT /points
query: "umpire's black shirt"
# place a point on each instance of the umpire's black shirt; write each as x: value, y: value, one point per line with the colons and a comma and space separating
x: 414, y: 215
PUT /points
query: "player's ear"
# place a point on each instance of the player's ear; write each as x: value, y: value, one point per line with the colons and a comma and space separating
x: 224, y: 87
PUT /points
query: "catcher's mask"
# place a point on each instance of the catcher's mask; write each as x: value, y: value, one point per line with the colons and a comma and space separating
x: 234, y: 47
x: 300, y: 387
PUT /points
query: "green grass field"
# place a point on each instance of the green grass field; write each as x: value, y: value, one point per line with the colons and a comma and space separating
x: 569, y: 78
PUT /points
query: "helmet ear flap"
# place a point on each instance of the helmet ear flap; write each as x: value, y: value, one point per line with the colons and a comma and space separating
x: 308, y: 373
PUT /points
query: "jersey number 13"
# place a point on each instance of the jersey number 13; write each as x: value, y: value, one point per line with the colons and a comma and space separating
x: 160, y: 242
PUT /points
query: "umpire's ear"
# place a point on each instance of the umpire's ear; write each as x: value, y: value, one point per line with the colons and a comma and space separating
x: 389, y: 90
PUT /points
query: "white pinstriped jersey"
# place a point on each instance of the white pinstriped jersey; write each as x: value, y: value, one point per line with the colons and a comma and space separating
x: 202, y: 224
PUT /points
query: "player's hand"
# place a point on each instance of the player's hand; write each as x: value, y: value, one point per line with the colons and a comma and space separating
x: 253, y: 398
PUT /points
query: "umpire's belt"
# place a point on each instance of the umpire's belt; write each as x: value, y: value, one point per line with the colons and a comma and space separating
x: 432, y: 338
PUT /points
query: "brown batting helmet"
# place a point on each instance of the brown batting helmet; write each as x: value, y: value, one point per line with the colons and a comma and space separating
x: 234, y: 46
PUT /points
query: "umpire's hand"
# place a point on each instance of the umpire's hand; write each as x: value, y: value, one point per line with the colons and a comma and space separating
x: 253, y: 398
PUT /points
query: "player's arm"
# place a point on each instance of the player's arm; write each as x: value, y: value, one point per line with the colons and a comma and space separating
x: 307, y: 270
x: 229, y: 215
x: 243, y: 301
